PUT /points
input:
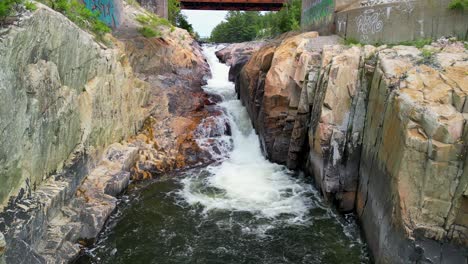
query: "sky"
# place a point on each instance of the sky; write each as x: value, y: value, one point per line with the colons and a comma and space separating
x: 204, y: 21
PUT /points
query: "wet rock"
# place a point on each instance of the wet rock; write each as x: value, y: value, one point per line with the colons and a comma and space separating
x: 2, y: 248
x: 414, y: 153
x: 232, y: 53
x: 384, y: 131
x: 271, y: 85
x: 339, y: 93
x: 74, y: 100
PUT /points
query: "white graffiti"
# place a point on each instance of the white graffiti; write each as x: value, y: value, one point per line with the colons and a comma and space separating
x: 406, y: 6
x: 369, y: 23
x: 341, y: 24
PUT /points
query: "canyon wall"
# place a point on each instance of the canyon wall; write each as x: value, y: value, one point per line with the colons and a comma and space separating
x: 80, y: 117
x: 61, y: 92
x: 383, y: 131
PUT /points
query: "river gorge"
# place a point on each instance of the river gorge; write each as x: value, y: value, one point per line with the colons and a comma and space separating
x: 241, y: 209
x: 129, y: 147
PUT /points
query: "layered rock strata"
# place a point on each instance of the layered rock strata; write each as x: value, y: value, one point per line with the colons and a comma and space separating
x: 68, y: 99
x: 382, y: 130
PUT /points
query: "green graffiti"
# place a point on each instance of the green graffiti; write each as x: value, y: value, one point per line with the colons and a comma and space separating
x: 319, y: 13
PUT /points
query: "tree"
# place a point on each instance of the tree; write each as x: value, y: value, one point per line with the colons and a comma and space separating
x: 176, y: 17
x: 246, y: 26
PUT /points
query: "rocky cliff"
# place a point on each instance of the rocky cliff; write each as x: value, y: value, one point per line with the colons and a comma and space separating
x: 383, y: 131
x: 66, y: 102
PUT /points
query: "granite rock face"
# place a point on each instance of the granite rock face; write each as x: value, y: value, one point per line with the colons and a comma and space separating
x: 236, y: 55
x: 272, y: 85
x: 412, y: 180
x: 65, y: 100
x: 339, y: 92
x: 60, y: 92
x: 383, y: 131
x: 175, y: 68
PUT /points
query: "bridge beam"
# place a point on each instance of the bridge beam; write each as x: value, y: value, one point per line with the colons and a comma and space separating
x: 246, y: 5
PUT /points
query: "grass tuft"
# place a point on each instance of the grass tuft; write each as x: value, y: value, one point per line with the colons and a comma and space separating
x: 30, y: 6
x: 80, y: 15
x: 150, y: 24
x: 148, y: 32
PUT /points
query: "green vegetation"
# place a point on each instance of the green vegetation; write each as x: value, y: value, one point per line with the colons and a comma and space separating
x: 427, y: 56
x: 133, y: 3
x: 152, y: 20
x: 246, y: 26
x: 150, y: 23
x: 458, y: 4
x: 8, y: 8
x: 352, y: 42
x: 177, y: 18
x: 149, y: 32
x: 80, y: 15
x: 30, y: 6
x: 419, y: 43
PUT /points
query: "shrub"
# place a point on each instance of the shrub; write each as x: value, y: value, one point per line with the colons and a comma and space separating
x: 458, y: 4
x: 352, y: 42
x: 152, y: 20
x: 148, y: 32
x: 7, y: 7
x: 150, y: 23
x: 30, y: 6
x: 80, y: 15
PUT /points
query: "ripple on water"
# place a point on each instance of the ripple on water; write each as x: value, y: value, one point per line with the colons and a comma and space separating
x: 243, y: 209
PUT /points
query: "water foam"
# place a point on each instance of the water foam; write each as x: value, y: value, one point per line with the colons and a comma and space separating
x: 245, y: 181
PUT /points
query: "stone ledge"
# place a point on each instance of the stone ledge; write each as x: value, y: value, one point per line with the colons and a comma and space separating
x: 48, y: 222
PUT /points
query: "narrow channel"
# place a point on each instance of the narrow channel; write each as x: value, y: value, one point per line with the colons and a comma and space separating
x: 242, y: 209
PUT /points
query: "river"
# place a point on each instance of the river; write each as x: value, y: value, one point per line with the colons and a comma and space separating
x: 242, y: 209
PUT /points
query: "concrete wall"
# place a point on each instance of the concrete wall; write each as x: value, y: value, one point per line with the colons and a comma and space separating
x: 317, y: 15
x: 402, y: 21
x: 159, y: 7
x: 110, y: 10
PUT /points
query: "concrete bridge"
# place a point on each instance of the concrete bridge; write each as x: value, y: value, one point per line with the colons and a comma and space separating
x: 247, y: 5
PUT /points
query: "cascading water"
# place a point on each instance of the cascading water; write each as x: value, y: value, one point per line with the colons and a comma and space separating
x: 242, y: 209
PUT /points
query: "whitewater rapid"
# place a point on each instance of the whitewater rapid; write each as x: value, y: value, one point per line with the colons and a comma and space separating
x: 241, y: 209
x: 245, y: 181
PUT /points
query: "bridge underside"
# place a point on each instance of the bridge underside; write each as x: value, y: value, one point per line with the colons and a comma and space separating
x: 245, y: 5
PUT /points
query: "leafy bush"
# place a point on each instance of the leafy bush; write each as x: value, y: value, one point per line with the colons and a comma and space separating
x: 148, y: 32
x: 151, y: 23
x: 80, y: 15
x: 7, y: 7
x: 152, y: 20
x: 458, y: 4
x: 30, y: 6
x: 177, y: 18
x: 352, y: 42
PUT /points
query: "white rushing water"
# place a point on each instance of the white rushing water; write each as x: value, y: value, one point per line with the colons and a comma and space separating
x: 245, y: 181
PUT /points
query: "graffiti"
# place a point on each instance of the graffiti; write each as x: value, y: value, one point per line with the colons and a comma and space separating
x: 317, y: 12
x: 369, y: 22
x: 109, y: 11
x: 341, y: 24
x: 406, y: 6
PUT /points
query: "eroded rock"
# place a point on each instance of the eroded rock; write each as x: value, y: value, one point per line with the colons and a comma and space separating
x: 385, y: 131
